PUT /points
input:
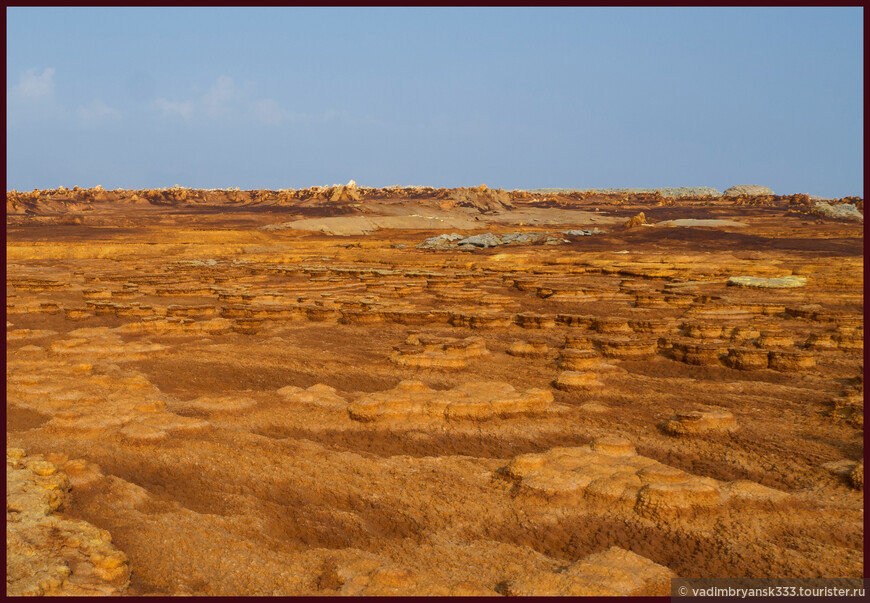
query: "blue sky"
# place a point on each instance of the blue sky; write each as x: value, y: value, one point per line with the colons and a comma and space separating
x: 507, y: 97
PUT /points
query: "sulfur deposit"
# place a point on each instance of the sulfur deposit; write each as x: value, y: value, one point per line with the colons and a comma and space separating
x: 610, y: 472
x: 47, y: 554
x: 438, y: 352
x: 475, y: 401
x: 347, y: 390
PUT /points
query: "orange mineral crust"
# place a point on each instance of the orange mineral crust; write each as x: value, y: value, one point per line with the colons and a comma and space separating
x: 421, y: 391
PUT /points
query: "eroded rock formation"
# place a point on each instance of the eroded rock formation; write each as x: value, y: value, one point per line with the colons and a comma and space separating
x: 47, y: 554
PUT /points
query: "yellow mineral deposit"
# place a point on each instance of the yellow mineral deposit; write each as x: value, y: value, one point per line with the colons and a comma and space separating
x: 421, y: 391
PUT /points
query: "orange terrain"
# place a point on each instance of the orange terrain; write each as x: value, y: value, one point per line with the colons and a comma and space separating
x: 354, y: 391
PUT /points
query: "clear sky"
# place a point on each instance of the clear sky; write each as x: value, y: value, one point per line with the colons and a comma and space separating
x: 507, y: 97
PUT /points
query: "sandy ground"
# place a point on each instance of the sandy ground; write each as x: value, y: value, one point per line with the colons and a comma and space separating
x: 701, y: 223
x: 432, y: 219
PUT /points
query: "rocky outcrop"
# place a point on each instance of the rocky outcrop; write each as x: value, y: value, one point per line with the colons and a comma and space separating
x: 476, y: 401
x: 611, y: 325
x: 483, y: 199
x: 438, y: 352
x: 840, y: 211
x: 528, y: 349
x: 699, y: 354
x: 747, y: 359
x: 609, y: 472
x: 791, y: 361
x: 750, y: 190
x: 344, y: 194
x: 698, y: 422
x: 856, y: 476
x: 577, y: 381
x: 626, y: 348
x: 441, y: 241
x: 47, y: 554
x: 573, y: 359
x: 783, y: 282
x: 635, y: 221
x: 529, y: 320
x: 583, y: 232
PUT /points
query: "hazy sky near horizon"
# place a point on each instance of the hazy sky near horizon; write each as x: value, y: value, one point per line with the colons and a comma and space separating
x: 507, y: 97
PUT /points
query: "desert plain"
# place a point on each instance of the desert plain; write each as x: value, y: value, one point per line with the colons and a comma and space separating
x: 418, y: 391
